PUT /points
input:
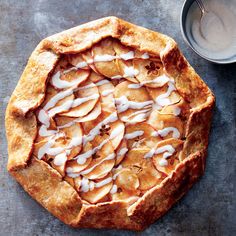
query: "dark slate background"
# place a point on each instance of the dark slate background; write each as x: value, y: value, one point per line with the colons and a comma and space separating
x: 209, y: 208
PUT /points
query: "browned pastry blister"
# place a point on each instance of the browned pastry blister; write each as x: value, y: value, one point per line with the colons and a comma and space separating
x: 108, y: 126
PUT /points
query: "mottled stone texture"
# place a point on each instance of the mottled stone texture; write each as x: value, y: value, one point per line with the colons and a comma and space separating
x: 209, y: 208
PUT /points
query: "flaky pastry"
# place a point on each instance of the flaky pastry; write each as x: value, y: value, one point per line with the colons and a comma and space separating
x: 108, y: 126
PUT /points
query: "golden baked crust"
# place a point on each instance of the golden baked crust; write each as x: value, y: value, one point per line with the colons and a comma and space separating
x: 47, y: 186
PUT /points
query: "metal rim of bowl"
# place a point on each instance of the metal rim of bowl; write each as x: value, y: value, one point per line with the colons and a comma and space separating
x: 183, y: 14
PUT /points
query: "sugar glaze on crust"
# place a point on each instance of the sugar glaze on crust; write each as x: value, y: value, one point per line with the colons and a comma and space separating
x: 78, y: 130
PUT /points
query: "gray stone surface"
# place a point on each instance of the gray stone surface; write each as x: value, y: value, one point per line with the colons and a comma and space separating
x: 209, y: 208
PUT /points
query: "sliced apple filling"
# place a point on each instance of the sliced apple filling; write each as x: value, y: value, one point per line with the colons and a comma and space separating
x: 112, y: 122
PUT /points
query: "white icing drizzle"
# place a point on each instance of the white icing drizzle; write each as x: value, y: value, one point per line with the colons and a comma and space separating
x: 163, y: 162
x: 113, y: 189
x: 54, y: 151
x: 79, y: 101
x: 116, y: 132
x: 75, y: 141
x: 73, y: 175
x: 91, y: 185
x: 164, y: 132
x: 44, y: 149
x: 107, y: 92
x: 65, y: 106
x: 109, y: 157
x: 44, y: 118
x: 81, y: 158
x: 116, y: 175
x: 88, y: 185
x: 176, y: 110
x: 59, y: 96
x: 142, y: 112
x: 135, y: 86
x: 71, y: 103
x: 102, y: 82
x: 155, y: 134
x: 168, y: 150
x: 150, y: 153
x: 103, y: 182
x: 145, y: 56
x: 44, y: 132
x: 96, y: 130
x: 47, y: 149
x: 61, y: 84
x: 117, y: 77
x: 84, y: 185
x: 104, y: 58
x: 81, y: 64
x: 163, y: 100
x: 134, y: 134
x: 60, y: 159
x: 122, y: 152
x: 124, y: 104
x: 130, y: 71
x: 138, y: 118
x: 162, y: 79
x: 127, y: 56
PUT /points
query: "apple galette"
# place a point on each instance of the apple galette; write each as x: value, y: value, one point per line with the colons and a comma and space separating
x: 108, y: 126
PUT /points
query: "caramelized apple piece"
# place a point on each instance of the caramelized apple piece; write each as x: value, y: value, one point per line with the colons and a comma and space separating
x: 143, y: 168
x: 87, y: 56
x: 167, y: 162
x: 92, y: 115
x: 51, y: 109
x: 107, y: 98
x: 146, y: 139
x: 140, y: 98
x: 86, y: 98
x: 121, y: 152
x: 101, y: 54
x: 163, y: 122
x: 94, y: 77
x: 75, y: 166
x: 150, y: 71
x: 116, y: 133
x: 73, y: 133
x: 94, y: 191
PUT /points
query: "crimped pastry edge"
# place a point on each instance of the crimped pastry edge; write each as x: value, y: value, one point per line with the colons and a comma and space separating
x: 30, y: 92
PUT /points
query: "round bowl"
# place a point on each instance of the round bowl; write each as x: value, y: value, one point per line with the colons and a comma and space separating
x: 184, y: 12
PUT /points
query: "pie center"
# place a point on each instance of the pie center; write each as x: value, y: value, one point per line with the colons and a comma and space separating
x: 112, y: 122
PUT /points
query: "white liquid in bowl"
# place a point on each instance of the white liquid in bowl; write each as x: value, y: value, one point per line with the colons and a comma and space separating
x: 213, y: 35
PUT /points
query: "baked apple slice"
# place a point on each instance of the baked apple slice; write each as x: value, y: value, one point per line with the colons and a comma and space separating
x: 92, y: 115
x: 121, y: 152
x: 166, y: 154
x: 143, y: 167
x: 150, y: 73
x: 78, y: 61
x: 107, y: 98
x: 57, y: 102
x: 141, y: 136
x: 73, y: 134
x: 87, y: 56
x: 86, y: 97
x: 128, y: 101
x: 103, y: 158
x: 94, y: 191
x: 104, y: 61
x: 78, y: 164
x: 167, y: 125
